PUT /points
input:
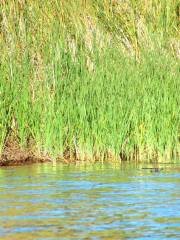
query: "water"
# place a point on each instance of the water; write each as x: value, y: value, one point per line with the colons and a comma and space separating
x: 92, y: 202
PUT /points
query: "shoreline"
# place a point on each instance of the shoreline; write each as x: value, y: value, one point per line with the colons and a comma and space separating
x: 14, y: 155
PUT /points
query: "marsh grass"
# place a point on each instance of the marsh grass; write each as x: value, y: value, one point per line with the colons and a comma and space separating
x: 91, y: 79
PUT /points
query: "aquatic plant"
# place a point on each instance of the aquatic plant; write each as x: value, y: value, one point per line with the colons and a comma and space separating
x: 91, y: 79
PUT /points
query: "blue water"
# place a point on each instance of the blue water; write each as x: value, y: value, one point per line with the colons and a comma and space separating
x: 89, y: 202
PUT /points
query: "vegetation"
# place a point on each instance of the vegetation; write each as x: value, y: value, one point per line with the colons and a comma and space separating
x: 91, y: 79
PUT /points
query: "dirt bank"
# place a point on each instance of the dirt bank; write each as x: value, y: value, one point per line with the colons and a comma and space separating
x: 14, y: 155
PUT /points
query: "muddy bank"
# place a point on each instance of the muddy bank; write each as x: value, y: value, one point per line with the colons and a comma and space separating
x: 14, y: 155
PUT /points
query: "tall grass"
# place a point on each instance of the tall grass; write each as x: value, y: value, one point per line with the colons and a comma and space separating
x: 91, y: 79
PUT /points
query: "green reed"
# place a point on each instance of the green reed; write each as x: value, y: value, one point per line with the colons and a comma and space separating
x: 92, y: 84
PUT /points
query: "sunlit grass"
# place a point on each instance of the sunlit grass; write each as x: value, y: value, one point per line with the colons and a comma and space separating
x: 91, y: 79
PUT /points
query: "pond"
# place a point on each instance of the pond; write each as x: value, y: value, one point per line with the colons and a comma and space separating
x: 89, y: 202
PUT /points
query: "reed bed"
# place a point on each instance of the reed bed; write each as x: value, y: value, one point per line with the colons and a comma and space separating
x: 91, y: 80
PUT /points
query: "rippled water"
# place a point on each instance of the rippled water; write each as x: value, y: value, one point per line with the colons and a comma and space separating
x: 97, y: 202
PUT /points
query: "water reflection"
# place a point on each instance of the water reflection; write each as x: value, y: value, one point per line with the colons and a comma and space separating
x: 89, y: 202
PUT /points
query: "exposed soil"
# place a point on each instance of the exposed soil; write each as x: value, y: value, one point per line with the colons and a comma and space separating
x: 14, y: 155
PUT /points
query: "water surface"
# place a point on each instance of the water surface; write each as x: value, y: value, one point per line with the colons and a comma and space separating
x: 89, y: 202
